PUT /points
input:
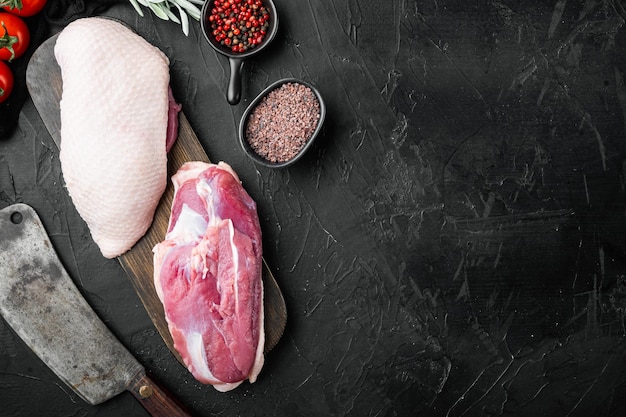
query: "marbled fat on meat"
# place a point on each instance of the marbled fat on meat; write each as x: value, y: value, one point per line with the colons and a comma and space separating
x: 114, y: 119
x: 207, y: 274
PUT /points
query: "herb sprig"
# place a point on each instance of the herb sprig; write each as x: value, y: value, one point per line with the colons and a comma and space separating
x: 165, y: 9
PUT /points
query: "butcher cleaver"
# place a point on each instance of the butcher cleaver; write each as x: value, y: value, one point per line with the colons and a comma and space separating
x: 40, y: 302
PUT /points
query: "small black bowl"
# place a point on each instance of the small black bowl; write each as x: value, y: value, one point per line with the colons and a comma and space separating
x: 246, y: 115
x: 236, y: 59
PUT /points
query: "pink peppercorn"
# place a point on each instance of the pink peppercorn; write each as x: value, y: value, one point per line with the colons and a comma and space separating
x: 239, y: 24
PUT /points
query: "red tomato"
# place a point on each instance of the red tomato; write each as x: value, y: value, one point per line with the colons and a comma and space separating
x: 14, y: 37
x: 6, y: 81
x: 23, y: 8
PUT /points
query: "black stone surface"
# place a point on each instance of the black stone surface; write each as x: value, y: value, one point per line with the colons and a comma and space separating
x: 453, y: 245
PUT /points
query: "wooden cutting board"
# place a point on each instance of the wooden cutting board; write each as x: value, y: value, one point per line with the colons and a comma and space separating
x: 44, y: 82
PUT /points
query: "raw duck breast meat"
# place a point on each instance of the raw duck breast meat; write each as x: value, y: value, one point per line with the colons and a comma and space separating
x: 207, y: 274
x: 114, y: 124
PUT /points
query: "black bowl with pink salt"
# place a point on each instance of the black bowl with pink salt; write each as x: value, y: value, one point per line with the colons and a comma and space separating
x: 281, y: 123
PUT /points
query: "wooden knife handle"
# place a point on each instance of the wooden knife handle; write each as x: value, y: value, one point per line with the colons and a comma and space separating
x: 156, y: 401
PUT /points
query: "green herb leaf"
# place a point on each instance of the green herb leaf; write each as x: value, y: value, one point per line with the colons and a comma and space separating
x: 189, y: 7
x: 137, y: 7
x: 157, y: 9
x: 163, y: 10
x: 7, y: 41
x: 12, y: 4
x: 172, y: 16
x: 184, y: 20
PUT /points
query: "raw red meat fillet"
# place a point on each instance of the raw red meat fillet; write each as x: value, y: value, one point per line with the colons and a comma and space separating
x: 207, y: 274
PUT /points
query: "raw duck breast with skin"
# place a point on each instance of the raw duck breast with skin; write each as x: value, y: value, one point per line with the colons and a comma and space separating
x: 116, y: 107
x: 207, y: 274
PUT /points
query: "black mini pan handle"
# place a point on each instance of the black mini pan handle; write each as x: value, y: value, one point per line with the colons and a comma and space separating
x: 234, y: 84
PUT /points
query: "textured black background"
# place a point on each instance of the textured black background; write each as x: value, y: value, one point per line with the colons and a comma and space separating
x: 452, y: 246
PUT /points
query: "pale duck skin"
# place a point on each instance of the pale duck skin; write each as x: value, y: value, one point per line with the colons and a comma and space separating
x: 114, y: 118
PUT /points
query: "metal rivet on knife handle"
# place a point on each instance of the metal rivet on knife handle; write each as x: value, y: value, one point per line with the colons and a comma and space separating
x: 145, y: 391
x: 154, y: 398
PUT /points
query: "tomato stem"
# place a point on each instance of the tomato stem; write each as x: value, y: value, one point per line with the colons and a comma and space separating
x: 7, y: 41
x: 11, y: 4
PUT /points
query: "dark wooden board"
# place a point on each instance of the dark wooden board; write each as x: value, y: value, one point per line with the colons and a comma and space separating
x: 44, y: 82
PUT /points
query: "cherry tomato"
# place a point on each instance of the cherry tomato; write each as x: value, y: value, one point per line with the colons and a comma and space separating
x: 23, y: 8
x: 6, y: 81
x: 14, y: 37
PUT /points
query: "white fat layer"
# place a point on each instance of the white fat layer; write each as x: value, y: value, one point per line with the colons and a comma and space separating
x: 227, y: 386
x: 189, y: 226
x: 205, y: 191
x: 235, y: 251
x: 195, y: 347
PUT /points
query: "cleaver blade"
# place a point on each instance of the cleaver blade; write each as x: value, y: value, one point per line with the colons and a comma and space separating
x: 44, y: 307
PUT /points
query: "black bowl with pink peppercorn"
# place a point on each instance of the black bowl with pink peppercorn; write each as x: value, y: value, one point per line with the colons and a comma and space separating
x: 238, y: 29
x: 282, y: 122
